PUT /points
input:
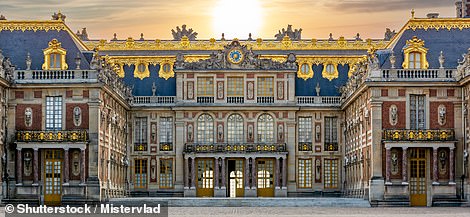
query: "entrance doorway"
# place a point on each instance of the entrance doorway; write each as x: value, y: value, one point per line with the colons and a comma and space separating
x: 265, y: 177
x: 53, y: 177
x: 235, y: 184
x: 205, y: 178
x: 418, y: 179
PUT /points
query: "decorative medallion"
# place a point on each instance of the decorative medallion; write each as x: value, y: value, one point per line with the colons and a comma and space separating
x: 393, y: 118
x: 28, y: 114
x: 235, y: 56
x: 442, y: 115
x: 77, y: 116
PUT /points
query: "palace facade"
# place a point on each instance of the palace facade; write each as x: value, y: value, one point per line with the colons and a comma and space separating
x: 381, y: 119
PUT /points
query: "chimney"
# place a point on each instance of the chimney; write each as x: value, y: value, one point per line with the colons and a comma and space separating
x: 433, y: 15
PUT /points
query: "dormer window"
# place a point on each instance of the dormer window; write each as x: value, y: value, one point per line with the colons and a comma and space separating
x: 415, y: 54
x: 54, y: 56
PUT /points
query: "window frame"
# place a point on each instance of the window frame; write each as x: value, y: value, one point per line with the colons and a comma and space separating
x: 265, y: 128
x: 55, y: 115
x: 205, y: 129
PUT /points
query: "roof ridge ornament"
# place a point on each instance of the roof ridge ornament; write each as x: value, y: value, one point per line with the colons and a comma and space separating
x: 181, y: 32
x: 294, y: 35
x: 59, y: 16
x: 463, y: 69
x: 2, y: 17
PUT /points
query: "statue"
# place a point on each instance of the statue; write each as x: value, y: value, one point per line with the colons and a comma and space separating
x: 83, y: 35
x: 28, y: 117
x: 294, y: 35
x: 58, y: 16
x: 2, y: 17
x: 393, y: 115
x: 464, y: 66
x: 393, y: 59
x: 180, y: 32
x: 317, y: 89
x: 373, y: 60
x: 77, y: 116
x: 154, y: 89
x: 394, y: 168
x: 389, y: 34
x: 442, y: 115
x: 442, y: 59
x: 28, y: 61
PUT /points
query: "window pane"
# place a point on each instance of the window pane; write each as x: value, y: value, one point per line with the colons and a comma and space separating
x: 305, y: 129
x: 265, y: 129
x: 235, y: 86
x: 265, y: 86
x: 205, y: 86
x: 54, y: 113
x: 235, y: 129
x: 205, y: 129
x: 166, y: 130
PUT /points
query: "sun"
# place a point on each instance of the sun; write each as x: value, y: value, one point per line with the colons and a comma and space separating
x: 236, y: 19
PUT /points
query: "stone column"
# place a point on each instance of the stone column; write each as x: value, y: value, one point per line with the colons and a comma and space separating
x: 186, y: 172
x: 223, y: 173
x: 66, y: 166
x: 36, y: 166
x: 19, y: 167
x: 451, y: 166
x: 404, y: 165
x: 216, y: 173
x: 387, y: 165
x: 277, y: 176
x: 284, y: 172
x: 82, y: 167
x: 193, y: 172
x: 435, y: 176
x: 253, y: 173
x: 247, y: 173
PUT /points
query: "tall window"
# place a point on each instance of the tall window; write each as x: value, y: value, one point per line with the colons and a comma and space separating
x: 331, y: 134
x: 140, y: 134
x: 140, y: 172
x: 331, y: 173
x: 205, y: 86
x: 55, y: 61
x: 305, y: 129
x: 265, y: 128
x: 166, y: 130
x: 205, y: 129
x: 417, y: 112
x: 166, y: 173
x: 265, y: 86
x: 235, y: 129
x: 54, y: 113
x: 235, y: 86
x: 305, y: 173
x: 414, y: 60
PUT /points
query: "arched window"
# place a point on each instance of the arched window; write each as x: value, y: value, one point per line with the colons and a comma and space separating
x: 205, y: 129
x: 415, y: 54
x: 235, y: 129
x: 54, y: 56
x: 265, y: 128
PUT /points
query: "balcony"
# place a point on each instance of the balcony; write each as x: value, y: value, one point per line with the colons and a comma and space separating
x: 305, y: 146
x: 166, y: 146
x: 55, y: 76
x: 319, y: 101
x: 234, y: 148
x: 52, y: 136
x: 419, y: 135
x: 152, y: 100
x: 418, y: 74
x: 331, y: 146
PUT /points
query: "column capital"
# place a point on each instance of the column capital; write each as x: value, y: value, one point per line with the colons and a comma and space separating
x: 435, y: 148
x: 82, y: 149
x: 19, y: 148
x: 404, y: 148
x: 66, y: 148
x: 388, y: 148
x: 36, y: 149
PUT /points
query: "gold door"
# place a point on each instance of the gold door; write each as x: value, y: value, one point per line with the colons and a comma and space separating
x: 236, y: 178
x: 265, y: 177
x: 52, y: 177
x: 205, y: 178
x: 418, y: 177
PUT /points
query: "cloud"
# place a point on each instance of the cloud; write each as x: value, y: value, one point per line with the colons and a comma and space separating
x: 385, y: 5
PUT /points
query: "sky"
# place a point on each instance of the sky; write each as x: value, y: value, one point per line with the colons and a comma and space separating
x: 235, y: 18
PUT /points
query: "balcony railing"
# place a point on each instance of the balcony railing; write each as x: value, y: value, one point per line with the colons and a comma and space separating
x: 52, y: 136
x: 265, y: 99
x: 331, y: 146
x: 152, y: 100
x: 55, y: 76
x: 305, y: 146
x: 140, y: 146
x: 419, y: 135
x: 205, y: 99
x: 207, y: 148
x: 319, y: 100
x: 418, y: 74
x: 166, y: 146
x: 236, y: 100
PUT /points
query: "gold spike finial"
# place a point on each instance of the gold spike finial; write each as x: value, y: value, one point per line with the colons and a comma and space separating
x: 412, y: 13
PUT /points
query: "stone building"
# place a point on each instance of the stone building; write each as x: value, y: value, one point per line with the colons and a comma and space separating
x: 88, y: 120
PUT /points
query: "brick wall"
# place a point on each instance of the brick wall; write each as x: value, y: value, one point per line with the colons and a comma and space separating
x: 37, y: 117
x: 69, y: 125
x: 401, y: 107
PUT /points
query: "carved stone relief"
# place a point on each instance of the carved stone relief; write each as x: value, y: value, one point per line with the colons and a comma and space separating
x: 76, y: 163
x: 250, y: 132
x: 393, y: 115
x: 220, y: 132
x: 250, y: 90
x: 153, y: 133
x: 190, y: 132
x: 443, y: 159
x: 280, y: 90
x: 441, y: 114
x: 153, y: 170
x: 28, y: 117
x: 317, y: 132
x: 77, y: 116
x: 220, y: 90
x: 28, y: 163
x: 190, y: 90
x: 394, y: 159
x: 318, y: 169
x: 280, y: 132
